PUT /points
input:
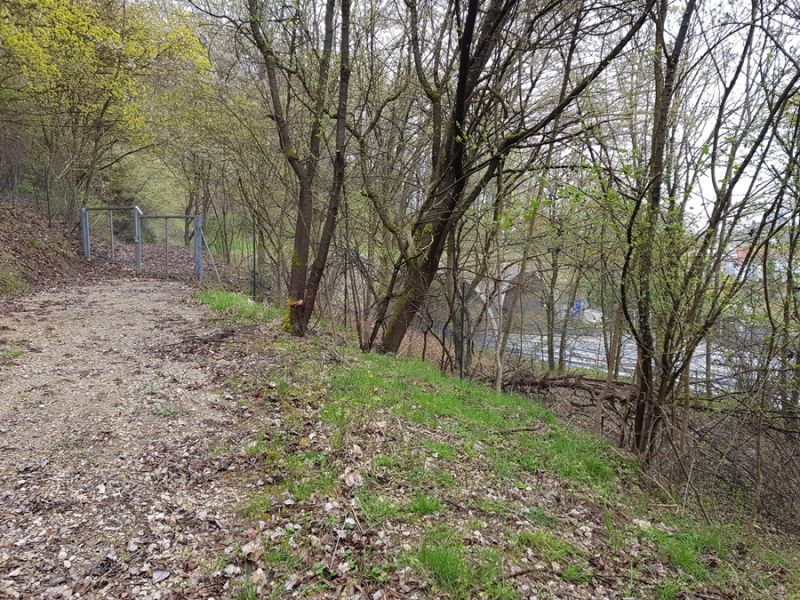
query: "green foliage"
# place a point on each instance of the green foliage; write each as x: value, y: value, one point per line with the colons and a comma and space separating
x: 444, y: 451
x: 247, y: 591
x: 238, y: 306
x: 90, y: 56
x: 282, y: 555
x: 616, y: 537
x: 492, y: 507
x: 670, y: 590
x: 576, y: 574
x: 444, y: 560
x: 7, y: 356
x: 90, y: 79
x: 537, y: 515
x: 257, y: 447
x: 305, y: 475
x: 166, y: 411
x: 376, y: 510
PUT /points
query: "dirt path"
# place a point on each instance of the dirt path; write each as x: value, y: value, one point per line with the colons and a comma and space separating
x: 108, y: 487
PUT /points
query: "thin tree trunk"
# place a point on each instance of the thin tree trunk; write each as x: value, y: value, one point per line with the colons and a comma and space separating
x: 334, y: 201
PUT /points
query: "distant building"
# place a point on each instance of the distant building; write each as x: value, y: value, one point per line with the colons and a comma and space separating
x: 737, y: 259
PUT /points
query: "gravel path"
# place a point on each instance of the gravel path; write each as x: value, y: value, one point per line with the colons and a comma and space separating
x: 108, y: 483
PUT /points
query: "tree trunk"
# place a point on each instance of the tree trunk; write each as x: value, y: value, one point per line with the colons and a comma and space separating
x: 648, y: 411
x: 334, y: 201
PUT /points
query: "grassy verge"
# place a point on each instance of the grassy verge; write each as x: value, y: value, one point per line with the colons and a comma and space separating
x: 237, y: 306
x: 388, y: 476
x: 515, y: 434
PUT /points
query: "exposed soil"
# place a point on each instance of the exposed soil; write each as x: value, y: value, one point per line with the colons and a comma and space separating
x: 109, y: 487
x: 33, y: 254
x: 176, y: 261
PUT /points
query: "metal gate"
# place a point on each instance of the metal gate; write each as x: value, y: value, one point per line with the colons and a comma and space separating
x: 166, y: 245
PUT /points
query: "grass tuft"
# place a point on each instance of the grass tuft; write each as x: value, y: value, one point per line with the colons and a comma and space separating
x: 425, y: 505
x: 237, y: 306
x: 247, y: 591
x: 686, y: 549
x: 376, y: 510
x: 455, y: 574
x: 547, y: 546
x: 11, y: 284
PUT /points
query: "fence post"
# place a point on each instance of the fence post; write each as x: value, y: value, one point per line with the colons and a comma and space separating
x: 111, y: 231
x: 85, y: 232
x: 346, y: 299
x: 137, y: 237
x: 166, y: 248
x: 461, y: 341
x: 198, y: 248
x: 253, y: 280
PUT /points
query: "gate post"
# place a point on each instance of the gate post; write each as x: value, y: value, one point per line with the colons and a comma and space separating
x: 137, y: 237
x: 85, y: 232
x: 198, y: 247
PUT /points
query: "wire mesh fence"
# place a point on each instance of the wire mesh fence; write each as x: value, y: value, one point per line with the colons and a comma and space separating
x: 171, y: 245
x: 109, y: 234
x: 178, y: 246
x: 241, y: 261
x: 165, y: 245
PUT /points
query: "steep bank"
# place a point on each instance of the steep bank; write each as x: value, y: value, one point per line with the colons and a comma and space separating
x: 34, y: 255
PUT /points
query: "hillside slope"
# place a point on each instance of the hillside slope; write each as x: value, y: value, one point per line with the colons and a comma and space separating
x: 33, y: 255
x: 381, y: 478
x: 154, y: 449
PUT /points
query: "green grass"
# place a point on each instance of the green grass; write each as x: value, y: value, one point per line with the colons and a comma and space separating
x: 305, y: 475
x: 282, y: 555
x: 454, y: 573
x: 425, y: 505
x: 575, y: 574
x: 493, y: 507
x: 616, y: 536
x: 445, y: 563
x: 469, y: 434
x: 383, y: 461
x: 166, y: 411
x: 478, y: 416
x: 259, y: 505
x: 540, y: 517
x: 9, y: 355
x: 237, y: 306
x: 259, y: 447
x: 671, y: 589
x: 686, y: 549
x: 547, y: 546
x: 10, y: 282
x: 247, y: 591
x: 376, y: 510
x: 440, y: 449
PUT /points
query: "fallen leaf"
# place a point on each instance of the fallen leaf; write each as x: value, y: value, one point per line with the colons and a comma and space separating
x: 159, y: 576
